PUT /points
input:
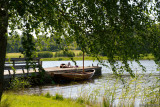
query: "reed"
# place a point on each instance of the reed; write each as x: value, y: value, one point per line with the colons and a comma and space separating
x: 109, y: 94
x: 133, y: 93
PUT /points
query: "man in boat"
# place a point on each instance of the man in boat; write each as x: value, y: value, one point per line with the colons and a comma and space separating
x: 66, y: 66
x: 63, y: 66
x: 69, y: 64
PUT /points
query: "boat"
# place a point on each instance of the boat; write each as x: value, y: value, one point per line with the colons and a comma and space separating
x: 77, y: 76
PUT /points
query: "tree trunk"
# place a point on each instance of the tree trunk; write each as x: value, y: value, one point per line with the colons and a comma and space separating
x: 3, y: 40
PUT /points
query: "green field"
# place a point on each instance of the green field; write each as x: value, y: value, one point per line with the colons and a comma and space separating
x: 16, y: 55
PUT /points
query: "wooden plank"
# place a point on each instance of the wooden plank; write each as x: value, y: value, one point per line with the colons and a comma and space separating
x: 19, y: 59
x: 21, y: 73
x: 19, y: 67
x: 20, y: 62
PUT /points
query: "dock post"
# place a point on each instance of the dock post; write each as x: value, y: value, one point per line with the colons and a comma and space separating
x: 23, y: 70
x: 9, y: 72
x: 27, y: 67
x: 14, y: 72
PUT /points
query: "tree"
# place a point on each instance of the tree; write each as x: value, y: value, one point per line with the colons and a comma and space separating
x: 114, y: 27
x: 14, y: 44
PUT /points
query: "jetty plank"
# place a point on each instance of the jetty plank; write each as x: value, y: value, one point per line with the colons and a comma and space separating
x: 48, y: 70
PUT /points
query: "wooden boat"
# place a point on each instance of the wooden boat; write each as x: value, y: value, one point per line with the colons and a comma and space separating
x: 80, y: 75
x: 74, y: 75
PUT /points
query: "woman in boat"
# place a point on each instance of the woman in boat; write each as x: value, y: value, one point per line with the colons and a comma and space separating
x: 67, y: 65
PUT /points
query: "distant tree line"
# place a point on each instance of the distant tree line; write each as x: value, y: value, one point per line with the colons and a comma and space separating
x: 43, y: 44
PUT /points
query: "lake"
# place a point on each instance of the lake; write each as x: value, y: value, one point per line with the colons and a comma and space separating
x: 99, y: 86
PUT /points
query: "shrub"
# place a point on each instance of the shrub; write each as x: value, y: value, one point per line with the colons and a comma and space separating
x: 47, y: 95
x: 19, y: 83
x: 80, y: 54
x: 58, y: 97
x: 65, y: 54
x: 45, y: 54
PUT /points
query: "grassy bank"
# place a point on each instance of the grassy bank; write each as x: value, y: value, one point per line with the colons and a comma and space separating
x: 14, y: 100
x: 108, y: 94
x: 68, y: 58
x: 16, y: 55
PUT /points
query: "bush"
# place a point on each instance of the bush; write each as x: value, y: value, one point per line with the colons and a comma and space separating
x: 45, y: 54
x: 19, y: 84
x: 58, y: 97
x: 47, y: 95
x: 65, y: 54
x: 80, y: 54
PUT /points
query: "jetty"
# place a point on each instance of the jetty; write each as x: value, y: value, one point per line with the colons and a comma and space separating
x: 19, y: 67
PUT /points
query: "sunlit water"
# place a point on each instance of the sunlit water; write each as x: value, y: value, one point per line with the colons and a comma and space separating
x: 97, y: 85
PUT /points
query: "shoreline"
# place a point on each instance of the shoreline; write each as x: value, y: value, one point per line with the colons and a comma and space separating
x: 79, y: 58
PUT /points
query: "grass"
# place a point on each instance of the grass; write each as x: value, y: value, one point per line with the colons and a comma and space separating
x: 68, y: 58
x: 14, y: 100
x: 108, y: 93
x: 16, y: 55
x: 75, y: 51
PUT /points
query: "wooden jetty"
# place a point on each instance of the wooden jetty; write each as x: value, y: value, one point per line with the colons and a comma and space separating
x: 18, y: 67
x: 52, y: 70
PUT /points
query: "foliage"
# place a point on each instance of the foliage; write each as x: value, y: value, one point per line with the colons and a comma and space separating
x: 45, y: 54
x: 121, y: 28
x: 109, y: 94
x: 16, y: 55
x: 112, y: 94
x: 80, y: 54
x: 14, y: 44
x: 43, y: 78
x: 114, y: 28
x: 19, y: 84
x: 58, y: 97
x: 47, y: 95
x: 65, y: 54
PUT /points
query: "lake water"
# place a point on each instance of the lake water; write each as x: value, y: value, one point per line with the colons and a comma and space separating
x: 97, y: 85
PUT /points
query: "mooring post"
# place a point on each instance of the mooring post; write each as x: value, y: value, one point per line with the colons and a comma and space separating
x: 23, y: 70
x: 27, y: 67
x: 14, y: 72
x: 9, y: 72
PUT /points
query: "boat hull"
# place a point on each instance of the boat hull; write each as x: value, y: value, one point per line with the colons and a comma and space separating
x: 75, y: 76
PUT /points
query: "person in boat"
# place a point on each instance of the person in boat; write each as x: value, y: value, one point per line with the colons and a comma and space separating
x: 66, y: 65
x: 63, y: 66
x: 69, y: 64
